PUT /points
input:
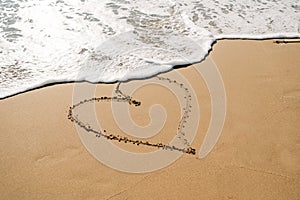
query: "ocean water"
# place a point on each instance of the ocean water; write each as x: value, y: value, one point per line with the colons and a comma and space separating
x: 51, y: 41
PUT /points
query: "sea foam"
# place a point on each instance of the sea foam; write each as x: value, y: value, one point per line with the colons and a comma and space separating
x: 45, y: 42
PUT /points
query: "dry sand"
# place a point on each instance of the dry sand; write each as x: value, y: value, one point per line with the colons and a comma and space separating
x: 256, y: 157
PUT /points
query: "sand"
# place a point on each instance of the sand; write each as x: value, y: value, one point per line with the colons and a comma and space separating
x: 256, y: 156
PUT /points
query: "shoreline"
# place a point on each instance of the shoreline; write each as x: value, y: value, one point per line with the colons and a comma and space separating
x: 277, y: 40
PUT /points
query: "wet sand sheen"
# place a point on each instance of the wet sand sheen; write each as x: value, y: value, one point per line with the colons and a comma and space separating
x: 256, y: 156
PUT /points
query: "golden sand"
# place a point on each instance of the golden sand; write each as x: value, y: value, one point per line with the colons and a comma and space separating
x: 256, y: 157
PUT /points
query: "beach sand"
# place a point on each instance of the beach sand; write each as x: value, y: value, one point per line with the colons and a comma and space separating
x: 256, y: 156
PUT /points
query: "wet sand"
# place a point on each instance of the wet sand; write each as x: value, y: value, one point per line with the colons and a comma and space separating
x: 256, y: 156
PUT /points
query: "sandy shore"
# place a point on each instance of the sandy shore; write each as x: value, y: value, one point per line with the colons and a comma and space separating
x: 256, y: 156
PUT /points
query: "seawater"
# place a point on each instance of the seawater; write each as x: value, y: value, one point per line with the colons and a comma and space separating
x: 51, y: 41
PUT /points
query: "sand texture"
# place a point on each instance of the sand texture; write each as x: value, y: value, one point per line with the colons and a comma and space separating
x: 256, y: 156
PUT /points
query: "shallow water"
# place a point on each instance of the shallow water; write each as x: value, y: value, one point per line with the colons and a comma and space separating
x: 103, y: 41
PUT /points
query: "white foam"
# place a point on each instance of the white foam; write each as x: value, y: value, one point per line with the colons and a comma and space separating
x: 44, y: 42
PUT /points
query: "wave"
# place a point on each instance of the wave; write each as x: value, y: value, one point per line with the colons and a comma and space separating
x: 47, y: 42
